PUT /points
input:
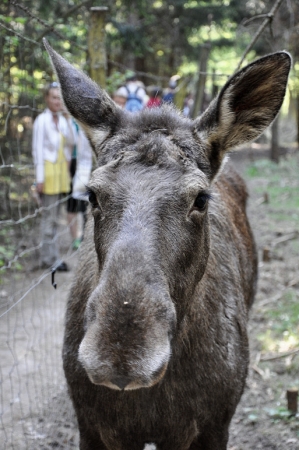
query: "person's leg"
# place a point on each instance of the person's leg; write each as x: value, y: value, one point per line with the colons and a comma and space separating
x: 83, y: 210
x: 49, y: 253
x: 60, y: 265
x: 73, y: 224
x: 72, y: 219
x: 72, y: 209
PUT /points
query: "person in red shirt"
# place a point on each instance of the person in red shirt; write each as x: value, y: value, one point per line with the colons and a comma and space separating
x: 155, y: 94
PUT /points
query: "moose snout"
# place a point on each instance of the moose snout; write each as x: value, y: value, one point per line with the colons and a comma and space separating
x: 126, y: 366
x: 121, y: 382
x: 129, y: 320
x: 127, y: 344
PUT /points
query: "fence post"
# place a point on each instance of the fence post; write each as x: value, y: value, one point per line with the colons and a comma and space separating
x: 181, y: 93
x: 97, y: 45
x: 274, y: 150
x: 201, y: 81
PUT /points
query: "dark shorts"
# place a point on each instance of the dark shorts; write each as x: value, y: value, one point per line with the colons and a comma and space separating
x: 73, y: 205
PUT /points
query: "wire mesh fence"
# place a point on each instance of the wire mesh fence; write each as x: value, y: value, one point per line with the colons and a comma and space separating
x: 35, y: 410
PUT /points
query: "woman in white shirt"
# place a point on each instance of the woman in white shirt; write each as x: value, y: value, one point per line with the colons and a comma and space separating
x: 80, y: 170
x: 53, y: 140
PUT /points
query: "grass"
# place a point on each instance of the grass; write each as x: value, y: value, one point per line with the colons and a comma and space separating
x: 283, y: 332
x: 281, y: 182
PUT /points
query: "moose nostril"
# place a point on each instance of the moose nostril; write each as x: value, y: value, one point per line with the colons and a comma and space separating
x: 121, y: 382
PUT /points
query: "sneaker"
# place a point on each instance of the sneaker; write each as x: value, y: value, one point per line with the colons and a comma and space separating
x: 76, y: 244
x: 62, y: 267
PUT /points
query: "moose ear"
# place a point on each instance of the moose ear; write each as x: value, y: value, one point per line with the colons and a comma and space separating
x: 85, y: 100
x: 246, y: 105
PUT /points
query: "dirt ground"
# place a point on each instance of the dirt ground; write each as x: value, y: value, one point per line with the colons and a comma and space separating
x: 262, y: 420
x: 36, y: 413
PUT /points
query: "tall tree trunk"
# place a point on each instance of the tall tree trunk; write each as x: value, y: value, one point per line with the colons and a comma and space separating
x: 140, y: 67
x: 129, y: 54
x: 97, y: 45
x: 274, y: 152
x: 181, y: 94
x: 214, y: 85
x: 201, y: 82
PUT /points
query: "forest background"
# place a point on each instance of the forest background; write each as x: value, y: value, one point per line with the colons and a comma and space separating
x: 157, y: 39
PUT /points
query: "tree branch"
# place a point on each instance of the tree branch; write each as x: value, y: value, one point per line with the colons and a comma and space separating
x: 63, y: 16
x: 268, y: 19
x: 19, y: 35
x: 260, y: 16
x: 281, y: 355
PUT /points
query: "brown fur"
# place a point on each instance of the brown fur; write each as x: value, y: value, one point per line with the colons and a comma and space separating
x: 155, y: 346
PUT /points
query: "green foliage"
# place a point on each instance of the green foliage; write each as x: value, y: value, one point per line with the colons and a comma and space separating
x: 114, y: 81
x: 269, y: 169
x: 282, y: 186
x: 281, y: 413
x: 161, y: 38
x: 284, y: 317
x: 277, y: 414
x: 281, y: 183
x: 7, y: 249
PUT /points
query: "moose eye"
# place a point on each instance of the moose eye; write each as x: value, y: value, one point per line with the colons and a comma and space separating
x: 92, y: 198
x: 201, y: 201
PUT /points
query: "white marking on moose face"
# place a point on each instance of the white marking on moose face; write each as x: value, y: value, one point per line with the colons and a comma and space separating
x: 150, y: 447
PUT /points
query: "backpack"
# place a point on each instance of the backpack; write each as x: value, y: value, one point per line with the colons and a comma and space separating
x: 168, y: 98
x: 134, y: 103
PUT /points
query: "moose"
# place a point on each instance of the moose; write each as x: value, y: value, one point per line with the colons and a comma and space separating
x: 156, y: 347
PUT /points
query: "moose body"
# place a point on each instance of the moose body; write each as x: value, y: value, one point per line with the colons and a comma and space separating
x: 155, y: 347
x: 207, y: 369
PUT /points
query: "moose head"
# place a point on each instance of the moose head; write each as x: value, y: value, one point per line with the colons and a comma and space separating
x: 150, y: 200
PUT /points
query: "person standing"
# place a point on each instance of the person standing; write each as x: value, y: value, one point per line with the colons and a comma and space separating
x: 80, y: 170
x: 171, y: 91
x: 120, y: 97
x: 134, y: 92
x: 155, y: 97
x: 52, y: 143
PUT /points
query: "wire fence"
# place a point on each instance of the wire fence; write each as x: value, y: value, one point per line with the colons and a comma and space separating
x: 35, y: 411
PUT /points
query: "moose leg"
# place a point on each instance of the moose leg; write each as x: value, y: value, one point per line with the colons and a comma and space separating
x: 181, y: 440
x: 212, y: 439
x: 89, y: 438
x: 89, y: 442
